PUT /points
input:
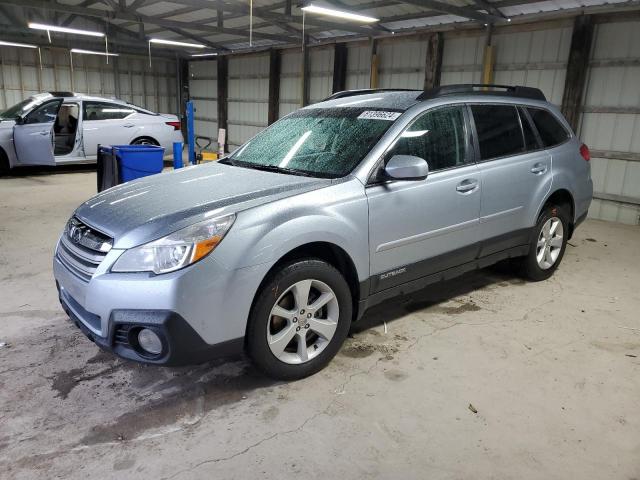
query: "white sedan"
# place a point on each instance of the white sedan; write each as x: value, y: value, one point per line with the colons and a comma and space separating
x: 63, y: 127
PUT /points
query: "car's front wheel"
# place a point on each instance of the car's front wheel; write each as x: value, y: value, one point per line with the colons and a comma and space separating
x: 4, y: 164
x: 299, y: 320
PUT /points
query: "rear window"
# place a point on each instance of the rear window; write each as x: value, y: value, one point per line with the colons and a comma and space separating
x: 550, y: 129
x: 106, y: 111
x: 499, y: 132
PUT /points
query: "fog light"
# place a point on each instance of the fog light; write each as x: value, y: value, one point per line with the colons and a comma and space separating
x: 149, y: 341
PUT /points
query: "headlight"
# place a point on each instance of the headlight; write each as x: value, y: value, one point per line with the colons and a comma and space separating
x: 177, y: 250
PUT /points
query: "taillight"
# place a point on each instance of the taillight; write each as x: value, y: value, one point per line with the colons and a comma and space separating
x: 584, y: 151
x: 175, y: 125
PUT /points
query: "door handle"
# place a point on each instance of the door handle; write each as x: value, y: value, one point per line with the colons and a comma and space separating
x: 45, y: 132
x: 128, y: 125
x: 467, y: 186
x: 539, y: 168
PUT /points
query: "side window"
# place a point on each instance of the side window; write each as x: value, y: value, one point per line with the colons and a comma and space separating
x: 530, y: 140
x: 550, y: 129
x: 499, y: 132
x: 106, y: 111
x: 45, y: 113
x: 438, y: 136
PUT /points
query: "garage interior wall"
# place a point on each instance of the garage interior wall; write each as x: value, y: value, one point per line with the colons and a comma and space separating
x: 203, y: 90
x: 290, y: 81
x: 126, y: 77
x: 610, y: 122
x: 248, y: 97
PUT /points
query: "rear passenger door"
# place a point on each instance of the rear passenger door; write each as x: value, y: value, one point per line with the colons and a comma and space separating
x: 515, y: 170
x: 106, y: 123
x: 421, y: 227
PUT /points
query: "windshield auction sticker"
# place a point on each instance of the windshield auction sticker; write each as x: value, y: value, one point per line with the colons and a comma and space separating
x: 376, y: 115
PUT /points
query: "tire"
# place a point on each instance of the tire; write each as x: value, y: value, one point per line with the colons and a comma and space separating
x: 546, y: 249
x: 273, y: 340
x: 4, y: 164
x: 145, y: 141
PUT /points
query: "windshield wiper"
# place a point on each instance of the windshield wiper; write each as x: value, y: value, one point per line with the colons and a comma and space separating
x: 266, y: 168
x: 277, y: 169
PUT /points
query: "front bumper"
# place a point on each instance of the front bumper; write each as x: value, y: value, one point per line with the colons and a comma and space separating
x: 200, y: 311
x: 181, y: 343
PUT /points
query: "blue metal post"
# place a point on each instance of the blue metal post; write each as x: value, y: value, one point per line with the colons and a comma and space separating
x: 177, y: 154
x: 191, y: 133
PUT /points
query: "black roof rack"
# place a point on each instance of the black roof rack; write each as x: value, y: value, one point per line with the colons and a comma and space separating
x: 365, y: 91
x: 483, y: 89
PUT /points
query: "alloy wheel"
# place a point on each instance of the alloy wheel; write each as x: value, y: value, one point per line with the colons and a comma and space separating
x: 302, y: 321
x: 549, y: 243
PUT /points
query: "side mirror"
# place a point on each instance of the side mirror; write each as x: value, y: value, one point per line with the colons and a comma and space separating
x: 19, y: 120
x: 406, y: 167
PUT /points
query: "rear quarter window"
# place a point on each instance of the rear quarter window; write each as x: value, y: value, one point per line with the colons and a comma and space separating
x: 551, y: 131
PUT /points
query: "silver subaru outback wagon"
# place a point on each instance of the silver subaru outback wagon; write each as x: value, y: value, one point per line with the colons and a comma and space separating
x: 279, y: 247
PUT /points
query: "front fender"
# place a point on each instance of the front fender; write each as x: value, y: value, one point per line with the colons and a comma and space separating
x: 337, y: 214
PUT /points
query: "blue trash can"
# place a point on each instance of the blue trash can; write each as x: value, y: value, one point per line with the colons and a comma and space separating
x: 136, y: 161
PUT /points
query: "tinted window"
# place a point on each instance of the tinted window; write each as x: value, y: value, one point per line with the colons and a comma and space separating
x: 530, y: 140
x: 438, y: 136
x: 498, y: 128
x: 550, y: 129
x: 45, y: 113
x: 106, y: 111
x: 323, y: 142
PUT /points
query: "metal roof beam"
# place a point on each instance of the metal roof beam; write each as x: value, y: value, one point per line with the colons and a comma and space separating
x: 281, y: 18
x: 465, y: 12
x: 493, y: 10
x: 89, y: 12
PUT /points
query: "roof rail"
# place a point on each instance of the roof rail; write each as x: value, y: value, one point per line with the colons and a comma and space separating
x: 484, y: 89
x: 365, y: 91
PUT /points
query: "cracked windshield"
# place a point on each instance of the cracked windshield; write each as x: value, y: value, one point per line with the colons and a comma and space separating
x: 316, y: 142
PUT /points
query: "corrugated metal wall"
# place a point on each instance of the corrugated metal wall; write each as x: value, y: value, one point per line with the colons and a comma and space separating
x: 290, y: 86
x: 536, y: 57
x: 358, y: 65
x: 203, y: 90
x: 610, y: 123
x: 248, y: 97
x: 153, y: 88
x: 401, y: 63
x: 320, y: 73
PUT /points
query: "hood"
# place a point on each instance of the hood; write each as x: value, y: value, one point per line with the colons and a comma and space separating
x: 152, y: 207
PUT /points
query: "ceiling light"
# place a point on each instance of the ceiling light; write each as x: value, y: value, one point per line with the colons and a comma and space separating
x: 332, y: 12
x: 204, y: 54
x: 53, y: 28
x: 177, y: 44
x: 13, y: 44
x: 93, y: 52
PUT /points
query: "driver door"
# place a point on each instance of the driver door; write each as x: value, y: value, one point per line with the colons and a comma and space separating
x: 33, y: 135
x: 421, y: 227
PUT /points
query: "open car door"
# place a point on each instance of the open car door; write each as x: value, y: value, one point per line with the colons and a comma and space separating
x: 33, y: 135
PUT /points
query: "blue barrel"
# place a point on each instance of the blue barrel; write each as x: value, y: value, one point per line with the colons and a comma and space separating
x: 136, y: 161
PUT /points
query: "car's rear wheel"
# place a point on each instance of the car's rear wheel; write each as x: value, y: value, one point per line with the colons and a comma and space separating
x: 299, y: 320
x: 548, y: 243
x: 145, y: 141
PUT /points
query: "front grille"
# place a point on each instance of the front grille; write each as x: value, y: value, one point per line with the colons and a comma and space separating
x: 81, y: 249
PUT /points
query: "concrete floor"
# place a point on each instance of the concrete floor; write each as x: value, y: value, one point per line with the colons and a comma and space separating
x: 483, y: 377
